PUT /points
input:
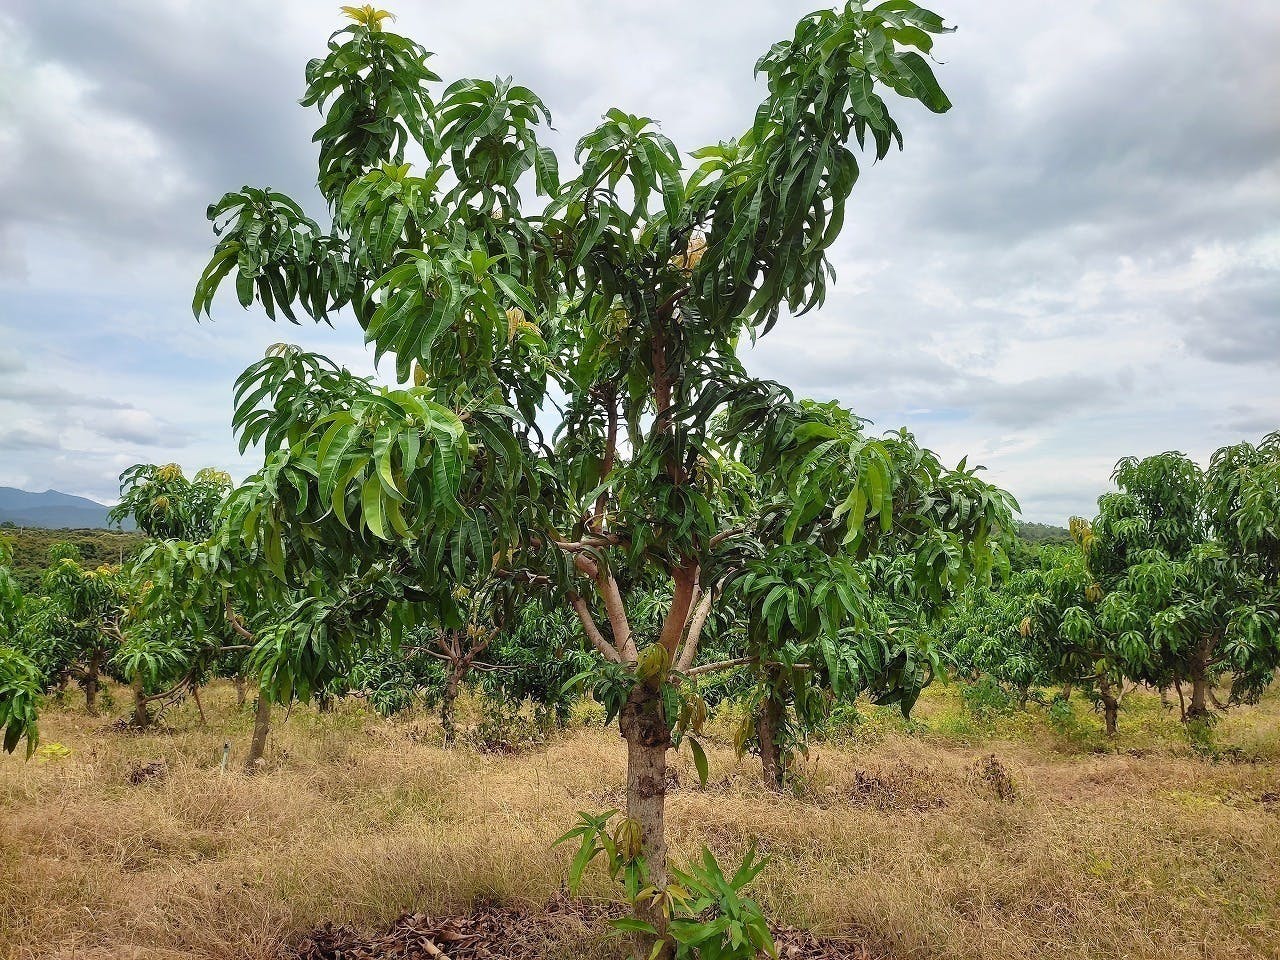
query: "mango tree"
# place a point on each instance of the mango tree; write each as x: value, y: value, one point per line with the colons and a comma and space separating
x: 919, y: 532
x: 80, y: 625
x: 11, y: 599
x: 200, y: 608
x: 536, y: 655
x: 1042, y: 626
x: 20, y: 679
x: 612, y: 309
x: 509, y: 655
x: 162, y: 654
x: 1189, y: 560
x: 166, y: 505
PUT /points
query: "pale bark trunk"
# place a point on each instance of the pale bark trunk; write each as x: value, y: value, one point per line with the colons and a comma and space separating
x: 768, y: 728
x: 91, y: 686
x: 242, y: 693
x: 1200, y: 682
x: 1110, y: 706
x: 448, y: 708
x: 261, y: 727
x: 141, y: 712
x: 644, y: 726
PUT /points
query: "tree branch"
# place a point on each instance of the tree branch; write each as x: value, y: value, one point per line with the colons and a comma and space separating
x: 740, y: 662
x: 721, y: 665
x: 523, y: 576
x: 605, y: 648
x: 610, y: 593
x: 686, y: 581
x: 233, y: 618
x: 617, y: 613
x: 724, y: 535
x: 697, y: 621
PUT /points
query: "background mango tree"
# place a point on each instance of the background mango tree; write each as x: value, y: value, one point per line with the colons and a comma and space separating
x: 77, y: 625
x: 1042, y: 627
x: 894, y: 551
x: 1189, y: 561
x: 164, y: 651
x: 20, y: 679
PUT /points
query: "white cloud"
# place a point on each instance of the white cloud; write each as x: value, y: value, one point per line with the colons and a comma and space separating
x: 1079, y: 262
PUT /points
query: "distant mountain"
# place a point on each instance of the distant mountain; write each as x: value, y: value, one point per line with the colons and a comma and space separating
x: 52, y: 510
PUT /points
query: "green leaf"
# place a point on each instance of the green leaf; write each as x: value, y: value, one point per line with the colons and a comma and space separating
x: 699, y: 760
x: 921, y: 81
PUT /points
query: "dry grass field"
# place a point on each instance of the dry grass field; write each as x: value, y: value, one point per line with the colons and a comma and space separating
x: 952, y: 838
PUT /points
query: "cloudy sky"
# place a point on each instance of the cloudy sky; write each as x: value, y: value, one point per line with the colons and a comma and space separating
x: 1080, y: 261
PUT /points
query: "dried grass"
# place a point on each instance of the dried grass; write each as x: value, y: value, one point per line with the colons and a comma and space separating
x: 1010, y: 844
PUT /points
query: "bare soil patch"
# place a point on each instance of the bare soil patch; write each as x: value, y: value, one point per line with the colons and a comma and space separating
x: 494, y: 932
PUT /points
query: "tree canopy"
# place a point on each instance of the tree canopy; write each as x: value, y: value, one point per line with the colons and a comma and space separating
x: 612, y: 310
x: 571, y: 416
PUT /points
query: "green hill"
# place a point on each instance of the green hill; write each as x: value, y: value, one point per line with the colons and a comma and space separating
x: 31, y: 549
x: 1043, y: 533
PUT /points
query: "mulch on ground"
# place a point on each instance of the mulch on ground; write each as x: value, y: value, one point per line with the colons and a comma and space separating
x: 503, y: 933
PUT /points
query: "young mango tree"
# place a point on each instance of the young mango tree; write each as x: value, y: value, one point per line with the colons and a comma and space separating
x: 1189, y: 562
x: 166, y: 505
x: 1044, y: 626
x: 615, y: 310
x: 509, y: 654
x: 11, y: 599
x: 164, y: 652
x: 20, y: 680
x: 536, y: 656
x: 79, y: 627
x: 204, y: 608
x: 920, y: 532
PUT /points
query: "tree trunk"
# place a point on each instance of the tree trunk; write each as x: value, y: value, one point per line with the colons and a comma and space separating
x: 1200, y: 682
x: 448, y: 706
x: 141, y: 712
x: 1110, y: 705
x: 91, y: 684
x: 195, y: 695
x: 1199, y: 700
x: 768, y: 727
x: 1066, y: 690
x: 1182, y: 701
x: 261, y: 727
x: 241, y: 691
x: 644, y: 727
